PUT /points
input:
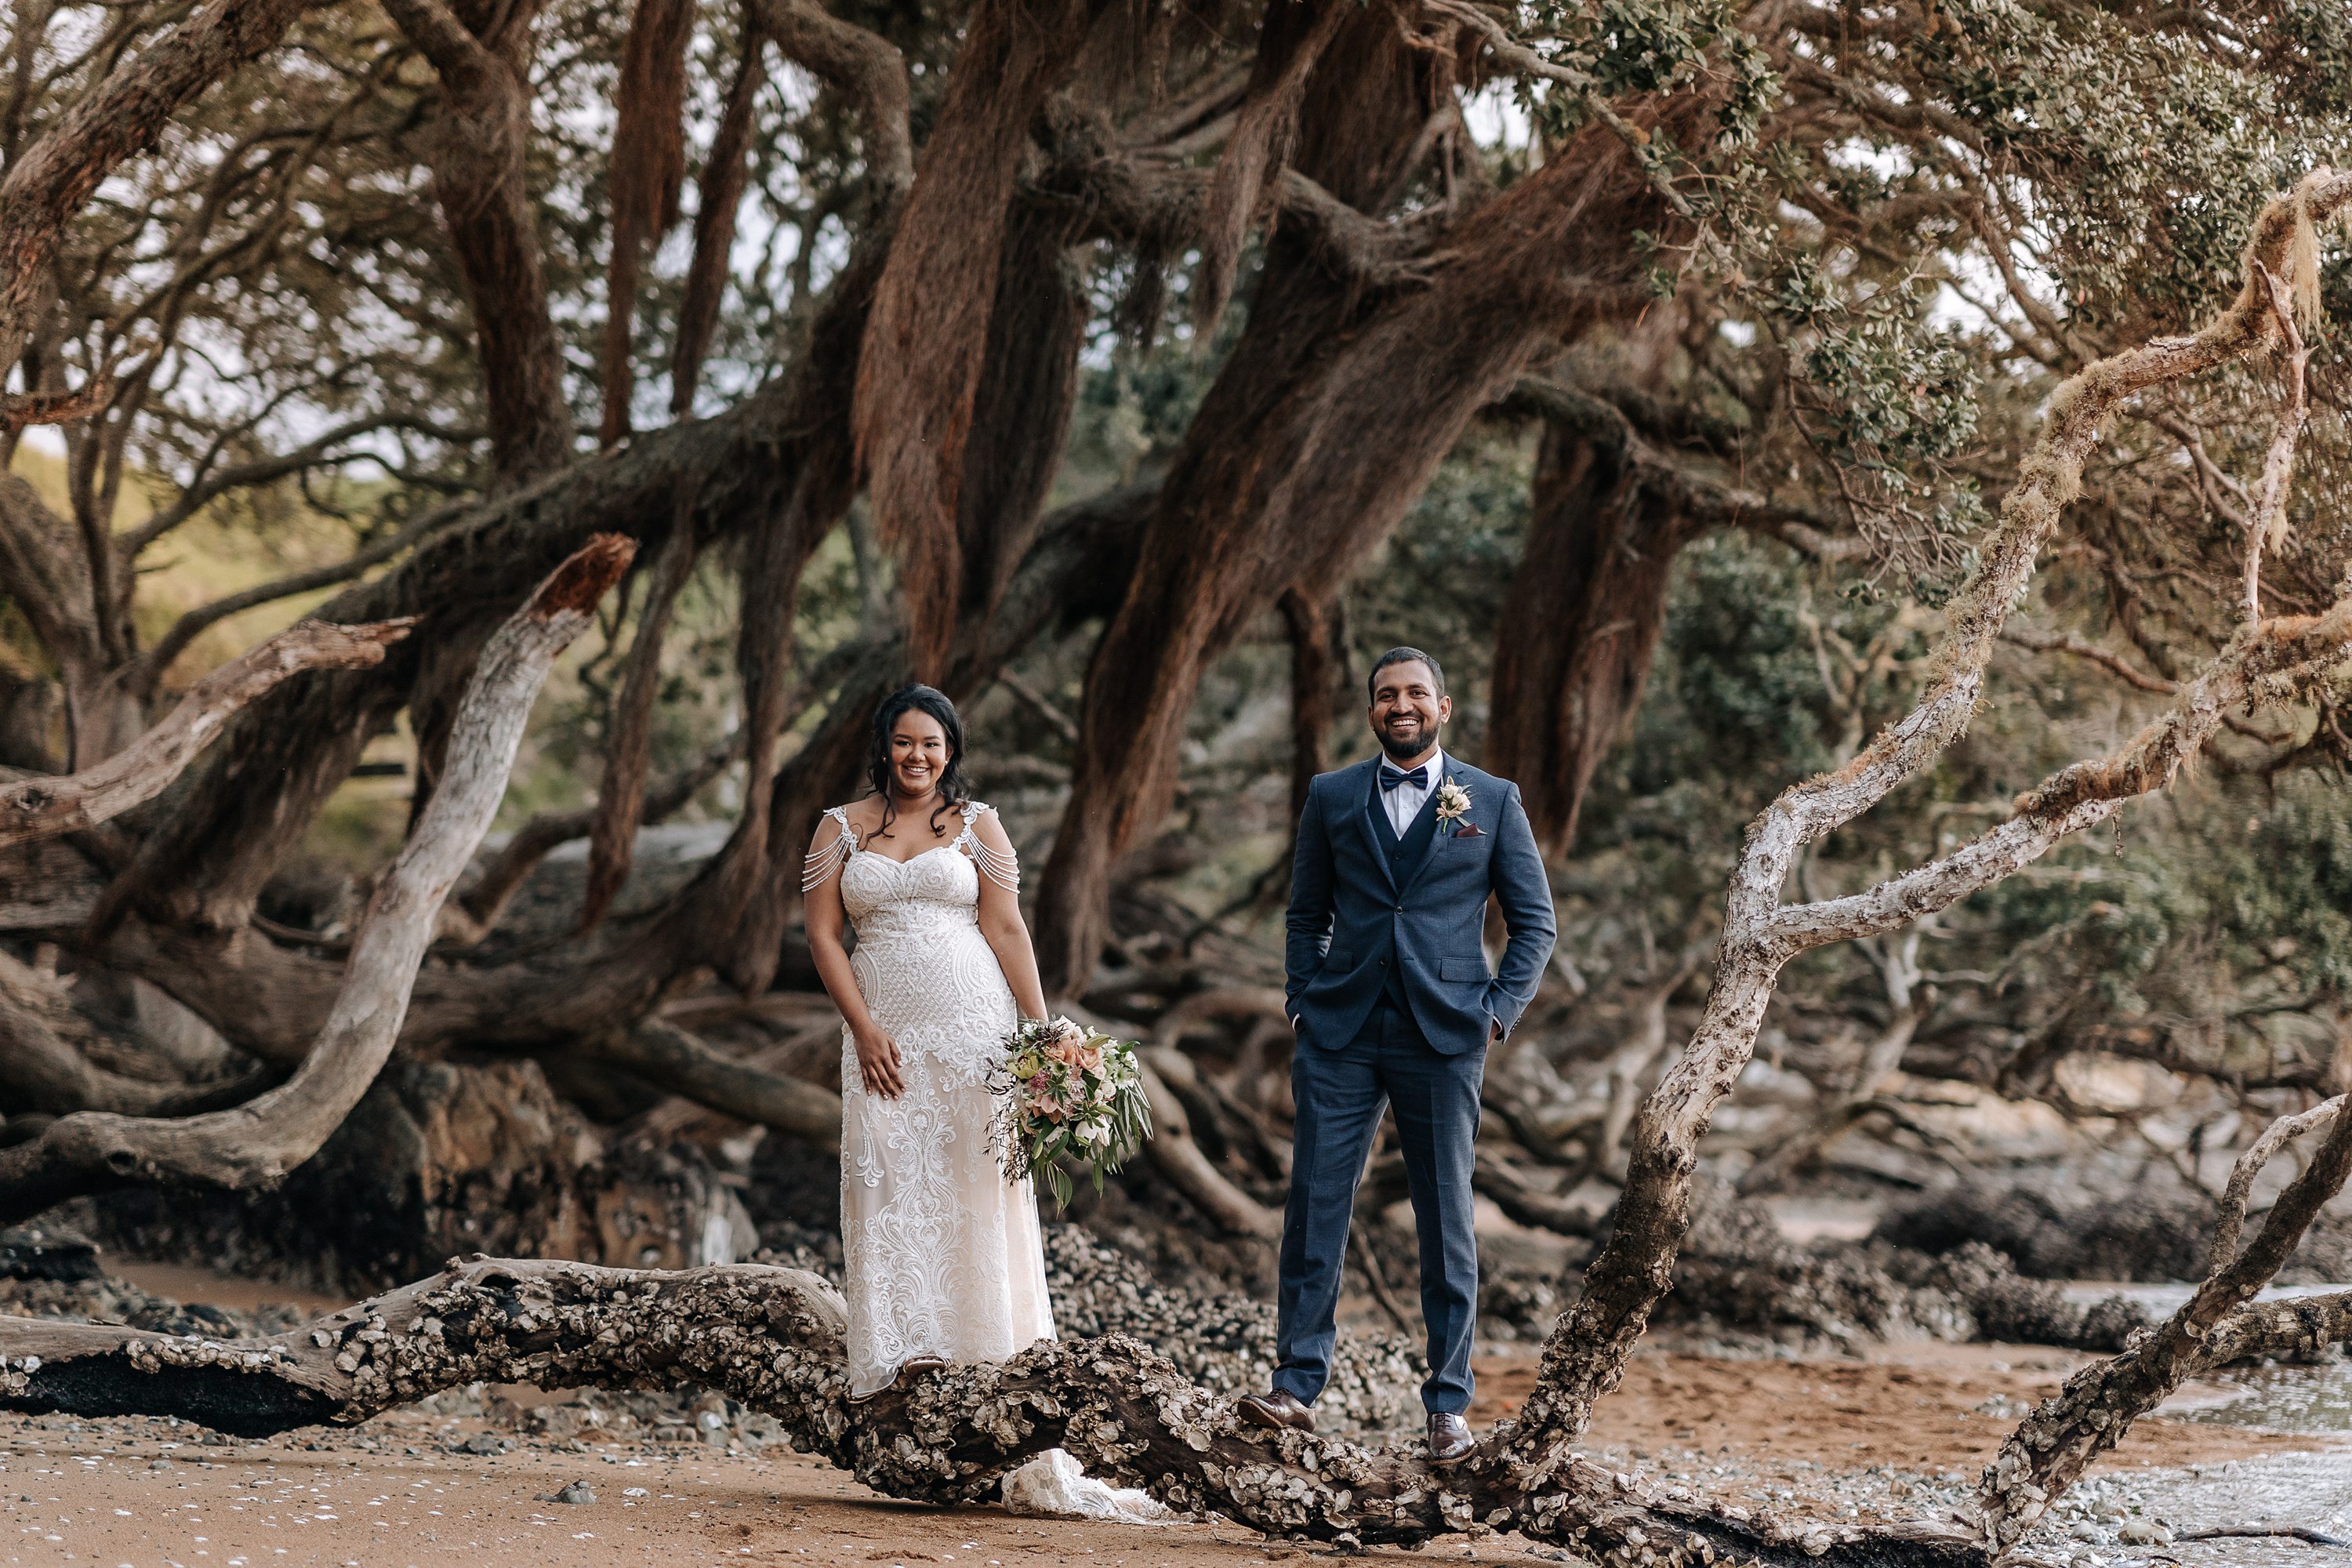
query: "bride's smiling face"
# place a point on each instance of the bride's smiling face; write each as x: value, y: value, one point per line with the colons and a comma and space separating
x: 918, y: 754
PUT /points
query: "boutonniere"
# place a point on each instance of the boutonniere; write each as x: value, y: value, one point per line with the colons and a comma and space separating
x: 1452, y: 802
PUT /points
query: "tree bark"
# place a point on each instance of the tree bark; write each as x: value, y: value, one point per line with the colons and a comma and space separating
x: 257, y: 1142
x: 921, y: 369
x: 648, y: 173
x: 621, y: 793
x: 478, y: 146
x: 1319, y: 671
x: 1580, y: 625
x: 668, y: 1058
x: 45, y: 1066
x: 48, y: 182
x: 72, y: 604
x: 720, y: 192
x: 2050, y: 1451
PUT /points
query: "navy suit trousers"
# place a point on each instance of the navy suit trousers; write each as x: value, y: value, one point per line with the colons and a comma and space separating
x: 1340, y: 1095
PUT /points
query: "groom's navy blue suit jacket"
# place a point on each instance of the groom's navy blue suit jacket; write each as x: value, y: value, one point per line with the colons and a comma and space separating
x: 1364, y: 921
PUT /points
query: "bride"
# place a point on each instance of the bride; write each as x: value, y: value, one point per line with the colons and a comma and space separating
x: 943, y: 1260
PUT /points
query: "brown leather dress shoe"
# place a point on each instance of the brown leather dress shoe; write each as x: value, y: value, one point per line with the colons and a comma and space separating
x: 1450, y: 1440
x: 1279, y: 1408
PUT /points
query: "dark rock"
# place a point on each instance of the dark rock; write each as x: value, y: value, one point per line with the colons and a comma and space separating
x: 2155, y: 1233
x: 1740, y: 1272
x: 40, y: 1251
x: 442, y: 1159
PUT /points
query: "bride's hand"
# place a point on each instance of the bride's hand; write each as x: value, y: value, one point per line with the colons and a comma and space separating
x: 878, y: 1063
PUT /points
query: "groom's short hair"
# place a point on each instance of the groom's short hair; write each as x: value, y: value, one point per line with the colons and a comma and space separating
x: 1403, y: 656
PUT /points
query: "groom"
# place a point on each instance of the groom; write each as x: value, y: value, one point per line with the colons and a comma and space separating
x: 1394, y: 1007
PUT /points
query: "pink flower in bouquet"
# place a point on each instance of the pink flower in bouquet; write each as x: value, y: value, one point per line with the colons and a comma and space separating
x: 1047, y: 1105
x: 1090, y: 1058
x: 1039, y: 1084
x: 1070, y: 1050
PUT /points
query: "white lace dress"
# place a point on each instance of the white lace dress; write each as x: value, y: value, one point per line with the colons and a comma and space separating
x: 941, y: 1256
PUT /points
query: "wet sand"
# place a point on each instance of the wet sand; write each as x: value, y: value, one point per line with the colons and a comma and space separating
x: 1902, y: 1434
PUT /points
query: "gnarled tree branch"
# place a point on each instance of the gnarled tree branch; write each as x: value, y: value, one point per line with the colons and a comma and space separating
x: 668, y: 1058
x: 40, y: 808
x: 258, y: 1142
x: 47, y: 182
x: 1585, y: 1355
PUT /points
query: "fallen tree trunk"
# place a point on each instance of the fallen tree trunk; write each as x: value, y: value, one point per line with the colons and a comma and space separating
x: 772, y: 1339
x: 258, y: 1142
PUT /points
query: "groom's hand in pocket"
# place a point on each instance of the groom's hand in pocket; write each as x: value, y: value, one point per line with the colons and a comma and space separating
x: 878, y: 1063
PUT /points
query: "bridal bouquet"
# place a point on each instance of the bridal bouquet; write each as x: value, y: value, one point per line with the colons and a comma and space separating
x: 1067, y: 1092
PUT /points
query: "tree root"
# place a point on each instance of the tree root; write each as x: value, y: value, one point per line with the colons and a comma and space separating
x: 772, y: 1339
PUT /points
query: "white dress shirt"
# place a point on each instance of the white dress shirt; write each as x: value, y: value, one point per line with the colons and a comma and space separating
x: 1403, y: 803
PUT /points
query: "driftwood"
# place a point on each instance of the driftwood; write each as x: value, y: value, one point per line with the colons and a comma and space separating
x: 257, y: 1142
x: 771, y: 1338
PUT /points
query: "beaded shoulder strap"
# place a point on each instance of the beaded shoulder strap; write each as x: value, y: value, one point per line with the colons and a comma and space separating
x: 1001, y: 866
x: 821, y: 864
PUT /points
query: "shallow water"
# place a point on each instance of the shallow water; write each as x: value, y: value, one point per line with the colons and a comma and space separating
x: 2314, y: 1399
x: 2167, y: 1296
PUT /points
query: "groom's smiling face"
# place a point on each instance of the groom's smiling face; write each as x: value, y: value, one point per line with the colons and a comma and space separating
x: 1408, y: 711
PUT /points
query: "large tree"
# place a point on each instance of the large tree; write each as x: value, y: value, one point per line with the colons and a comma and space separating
x: 1781, y: 266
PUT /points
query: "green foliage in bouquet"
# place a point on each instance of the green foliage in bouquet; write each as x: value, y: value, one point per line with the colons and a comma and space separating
x: 1067, y: 1094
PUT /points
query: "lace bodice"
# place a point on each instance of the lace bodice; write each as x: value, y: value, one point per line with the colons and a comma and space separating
x: 922, y: 964
x: 889, y: 899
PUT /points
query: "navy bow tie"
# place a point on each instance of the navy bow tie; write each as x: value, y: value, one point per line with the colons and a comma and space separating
x: 1392, y: 778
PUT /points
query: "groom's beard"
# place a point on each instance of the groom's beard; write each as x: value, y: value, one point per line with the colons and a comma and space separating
x: 1404, y: 751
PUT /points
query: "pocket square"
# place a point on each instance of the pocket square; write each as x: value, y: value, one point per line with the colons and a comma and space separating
x: 1469, y: 830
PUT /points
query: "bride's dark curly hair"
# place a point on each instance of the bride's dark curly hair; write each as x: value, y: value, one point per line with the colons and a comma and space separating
x: 954, y: 789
